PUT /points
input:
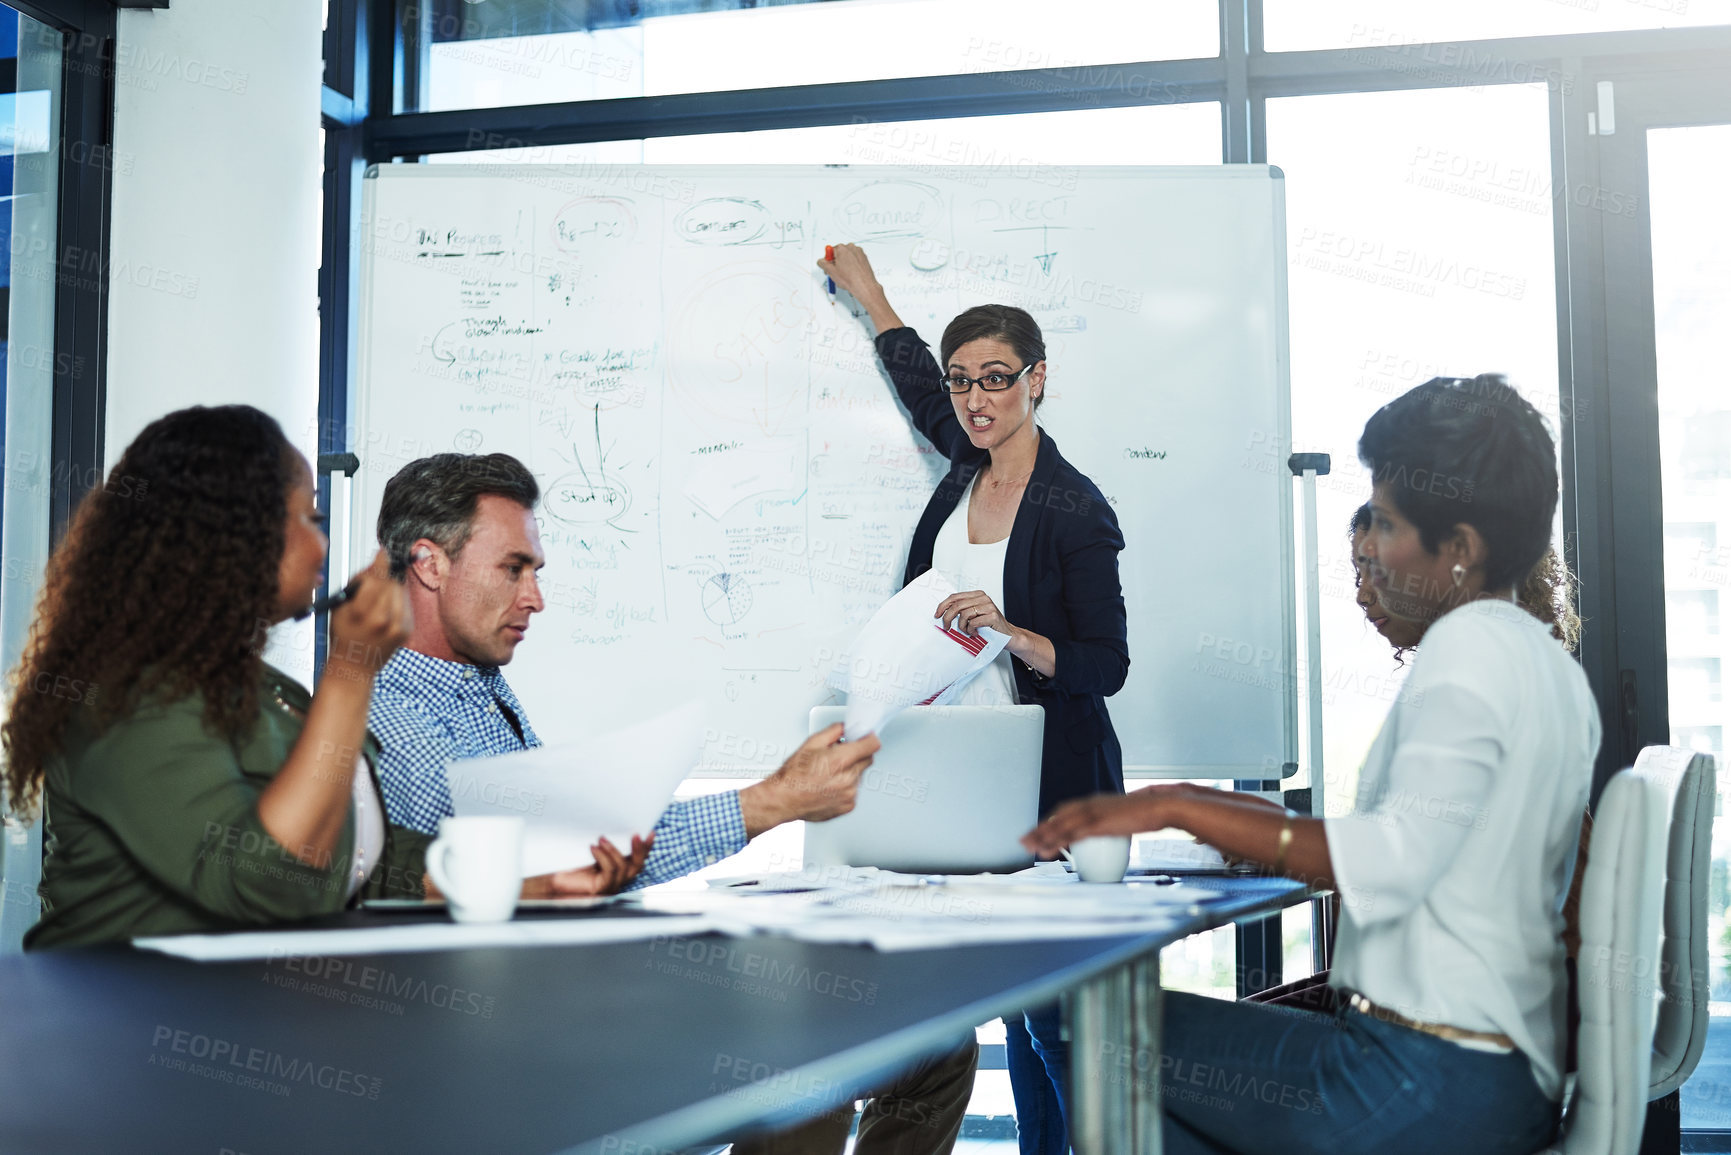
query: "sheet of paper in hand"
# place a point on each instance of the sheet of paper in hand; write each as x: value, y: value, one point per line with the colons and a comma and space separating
x: 905, y: 657
x: 616, y: 784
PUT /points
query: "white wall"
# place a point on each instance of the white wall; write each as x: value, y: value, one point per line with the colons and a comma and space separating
x: 215, y: 240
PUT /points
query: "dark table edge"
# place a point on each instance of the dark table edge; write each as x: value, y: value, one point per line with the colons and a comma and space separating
x: 735, y: 1113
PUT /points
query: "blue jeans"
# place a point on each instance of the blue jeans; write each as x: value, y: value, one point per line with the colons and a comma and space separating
x: 1039, y: 1063
x: 1244, y: 1078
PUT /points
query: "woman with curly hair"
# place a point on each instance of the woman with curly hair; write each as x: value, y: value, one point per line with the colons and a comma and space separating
x: 186, y: 785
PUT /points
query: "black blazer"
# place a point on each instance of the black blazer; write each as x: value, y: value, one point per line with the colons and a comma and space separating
x: 1060, y: 580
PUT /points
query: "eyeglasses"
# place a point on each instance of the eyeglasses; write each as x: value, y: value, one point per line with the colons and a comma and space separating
x: 991, y: 382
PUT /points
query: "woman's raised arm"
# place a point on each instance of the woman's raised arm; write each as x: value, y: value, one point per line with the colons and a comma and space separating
x: 913, y: 371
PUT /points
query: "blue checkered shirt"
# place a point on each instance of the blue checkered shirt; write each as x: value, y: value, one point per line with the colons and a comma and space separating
x: 427, y: 712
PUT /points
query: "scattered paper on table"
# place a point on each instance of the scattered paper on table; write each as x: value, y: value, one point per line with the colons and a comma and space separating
x: 891, y: 911
x: 401, y: 905
x: 813, y: 877
x: 420, y: 936
x: 1177, y: 855
x: 616, y: 785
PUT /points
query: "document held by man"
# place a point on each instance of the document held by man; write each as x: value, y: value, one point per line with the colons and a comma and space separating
x: 904, y: 656
x: 616, y: 785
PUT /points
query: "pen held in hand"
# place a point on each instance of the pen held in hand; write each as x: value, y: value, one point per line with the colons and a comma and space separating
x: 330, y: 602
x: 326, y: 604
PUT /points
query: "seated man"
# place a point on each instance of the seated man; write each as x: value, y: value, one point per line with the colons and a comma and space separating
x: 460, y: 529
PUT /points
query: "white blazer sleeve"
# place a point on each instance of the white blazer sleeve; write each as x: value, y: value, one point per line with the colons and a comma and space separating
x: 1392, y: 848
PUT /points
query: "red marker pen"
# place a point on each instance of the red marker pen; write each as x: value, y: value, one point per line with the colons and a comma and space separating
x: 829, y: 255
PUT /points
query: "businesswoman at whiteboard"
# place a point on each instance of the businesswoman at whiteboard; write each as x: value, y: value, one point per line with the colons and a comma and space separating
x: 1033, y: 546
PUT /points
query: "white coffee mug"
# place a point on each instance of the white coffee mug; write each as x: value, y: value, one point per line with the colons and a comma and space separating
x: 477, y: 864
x: 1103, y: 858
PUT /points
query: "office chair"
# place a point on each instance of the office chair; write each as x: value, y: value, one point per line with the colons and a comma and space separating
x: 1684, y: 977
x: 1620, y: 901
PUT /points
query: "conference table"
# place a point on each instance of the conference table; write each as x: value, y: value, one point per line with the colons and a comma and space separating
x: 633, y: 1048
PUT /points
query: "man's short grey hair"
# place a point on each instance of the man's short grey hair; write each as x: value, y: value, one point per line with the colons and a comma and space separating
x: 436, y: 497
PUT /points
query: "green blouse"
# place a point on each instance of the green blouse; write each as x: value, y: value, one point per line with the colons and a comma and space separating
x: 151, y: 827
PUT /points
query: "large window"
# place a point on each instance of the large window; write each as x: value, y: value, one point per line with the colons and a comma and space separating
x: 1160, y: 134
x: 1691, y: 296
x: 481, y: 58
x: 1393, y: 32
x: 1420, y: 244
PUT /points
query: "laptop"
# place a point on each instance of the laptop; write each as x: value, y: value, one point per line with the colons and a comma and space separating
x: 952, y: 791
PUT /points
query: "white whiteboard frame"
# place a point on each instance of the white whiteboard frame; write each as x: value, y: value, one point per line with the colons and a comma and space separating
x: 1279, y: 490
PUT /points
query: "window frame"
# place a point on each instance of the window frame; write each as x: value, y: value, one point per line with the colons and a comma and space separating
x: 79, y: 403
x: 86, y: 191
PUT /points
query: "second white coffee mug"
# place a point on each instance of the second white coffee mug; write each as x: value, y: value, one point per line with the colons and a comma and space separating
x: 1102, y: 858
x: 477, y: 864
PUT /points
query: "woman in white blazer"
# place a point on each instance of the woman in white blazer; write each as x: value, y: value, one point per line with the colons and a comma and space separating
x: 1453, y: 862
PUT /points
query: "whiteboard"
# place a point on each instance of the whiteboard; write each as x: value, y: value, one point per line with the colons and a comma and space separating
x: 729, y: 485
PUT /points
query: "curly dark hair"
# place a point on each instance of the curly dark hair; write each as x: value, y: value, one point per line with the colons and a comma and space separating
x: 1549, y: 595
x: 163, y: 586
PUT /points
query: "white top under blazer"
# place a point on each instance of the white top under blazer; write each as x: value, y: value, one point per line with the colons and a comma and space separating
x: 1453, y: 865
x: 977, y: 567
